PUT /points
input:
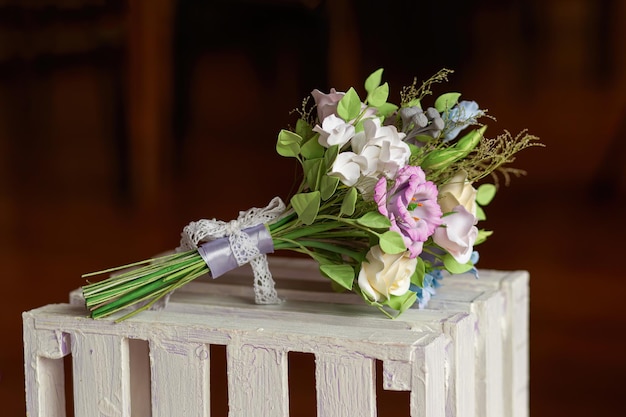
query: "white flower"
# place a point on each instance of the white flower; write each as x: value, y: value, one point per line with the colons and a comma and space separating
x: 384, y: 149
x: 346, y: 168
x: 334, y: 131
x: 383, y: 274
x: 457, y: 234
x: 457, y: 191
x: 377, y: 150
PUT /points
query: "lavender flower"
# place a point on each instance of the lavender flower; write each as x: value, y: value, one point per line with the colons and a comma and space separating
x: 411, y: 206
x: 326, y: 103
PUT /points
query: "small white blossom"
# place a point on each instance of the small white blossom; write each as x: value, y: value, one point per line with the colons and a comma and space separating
x: 334, y: 131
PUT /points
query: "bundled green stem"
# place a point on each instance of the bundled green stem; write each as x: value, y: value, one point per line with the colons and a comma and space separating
x: 142, y: 284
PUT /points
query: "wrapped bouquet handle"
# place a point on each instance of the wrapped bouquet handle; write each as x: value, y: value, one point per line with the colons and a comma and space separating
x: 226, y: 245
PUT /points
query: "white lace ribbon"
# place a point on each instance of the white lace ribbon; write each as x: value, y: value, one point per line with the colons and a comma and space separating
x: 226, y: 245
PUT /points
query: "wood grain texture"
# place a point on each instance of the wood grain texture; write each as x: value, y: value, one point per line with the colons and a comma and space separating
x: 101, y: 375
x: 44, y: 372
x: 257, y: 380
x: 180, y: 378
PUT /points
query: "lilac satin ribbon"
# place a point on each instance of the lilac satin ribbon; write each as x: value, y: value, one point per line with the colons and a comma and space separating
x: 219, y: 256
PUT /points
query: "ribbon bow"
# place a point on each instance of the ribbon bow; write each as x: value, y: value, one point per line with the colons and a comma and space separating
x: 227, y: 245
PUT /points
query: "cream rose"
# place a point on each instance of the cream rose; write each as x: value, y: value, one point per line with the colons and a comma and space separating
x: 457, y: 192
x: 383, y: 274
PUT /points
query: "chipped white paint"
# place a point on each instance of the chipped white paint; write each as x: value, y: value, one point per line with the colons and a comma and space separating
x: 466, y: 356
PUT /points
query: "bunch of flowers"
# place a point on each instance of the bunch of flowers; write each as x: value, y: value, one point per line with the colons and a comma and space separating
x: 386, y: 204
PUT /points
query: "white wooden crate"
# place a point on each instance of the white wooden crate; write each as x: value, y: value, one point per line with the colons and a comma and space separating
x: 442, y: 355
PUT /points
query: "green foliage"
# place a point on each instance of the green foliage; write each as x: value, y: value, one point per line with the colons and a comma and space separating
x: 446, y: 101
x: 468, y: 142
x: 485, y: 193
x: 288, y: 143
x: 454, y: 267
x: 482, y: 236
x: 307, y: 206
x: 328, y: 186
x: 387, y: 109
x: 441, y: 159
x: 401, y: 303
x: 391, y: 242
x: 348, y: 204
x: 420, y: 271
x: 349, y: 107
x: 303, y: 129
x: 412, y: 95
x: 379, y: 96
x: 340, y: 274
x: 312, y: 149
x: 374, y: 220
x: 373, y: 81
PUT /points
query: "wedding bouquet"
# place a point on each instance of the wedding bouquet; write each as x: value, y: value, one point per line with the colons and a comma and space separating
x: 386, y: 203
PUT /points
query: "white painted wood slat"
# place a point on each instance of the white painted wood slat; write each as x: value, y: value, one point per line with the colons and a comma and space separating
x: 345, y: 385
x: 101, y: 375
x: 257, y: 380
x: 43, y: 367
x: 179, y: 378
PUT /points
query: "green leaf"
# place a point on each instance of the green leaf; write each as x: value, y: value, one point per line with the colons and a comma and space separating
x: 312, y: 149
x: 330, y: 155
x: 373, y: 81
x: 480, y: 213
x: 307, y: 206
x: 349, y: 106
x: 349, y: 202
x: 402, y: 302
x: 414, y: 103
x: 304, y: 129
x: 441, y: 158
x: 387, y: 109
x: 311, y: 168
x: 374, y: 220
x: 453, y: 266
x: 482, y: 236
x: 341, y: 274
x: 485, y: 193
x: 379, y: 96
x: 328, y: 185
x: 418, y: 276
x: 391, y: 242
x: 446, y: 101
x: 468, y: 142
x: 288, y: 143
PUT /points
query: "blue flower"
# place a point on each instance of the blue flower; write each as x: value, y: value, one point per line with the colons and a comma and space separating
x: 474, y: 260
x: 459, y: 117
x: 431, y: 282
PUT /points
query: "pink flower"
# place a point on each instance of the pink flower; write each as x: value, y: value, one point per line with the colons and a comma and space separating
x: 326, y: 103
x: 457, y: 234
x: 411, y: 206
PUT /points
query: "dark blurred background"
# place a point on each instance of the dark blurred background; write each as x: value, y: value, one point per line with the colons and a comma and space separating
x: 121, y: 121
